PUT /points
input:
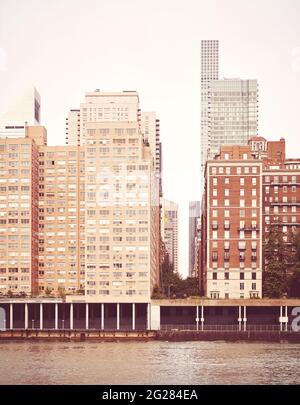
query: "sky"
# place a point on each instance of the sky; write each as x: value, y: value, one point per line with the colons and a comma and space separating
x: 68, y: 47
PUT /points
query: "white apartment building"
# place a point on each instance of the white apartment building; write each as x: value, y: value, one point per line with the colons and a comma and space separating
x: 122, y: 214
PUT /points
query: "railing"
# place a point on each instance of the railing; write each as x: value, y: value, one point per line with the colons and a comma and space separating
x: 227, y: 328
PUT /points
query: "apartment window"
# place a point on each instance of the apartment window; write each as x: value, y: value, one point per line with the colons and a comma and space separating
x: 253, y: 213
x: 215, y: 192
x: 214, y: 256
x: 245, y: 156
x: 242, y: 286
x: 238, y: 170
x: 226, y: 213
x: 214, y: 170
x: 215, y: 225
x: 215, y: 181
x: 294, y: 189
x: 242, y: 181
x: 227, y: 171
x: 214, y: 213
x: 226, y: 180
x: 242, y: 276
x: 242, y: 213
x: 267, y: 179
x: 215, y: 275
x: 254, y: 181
x: 242, y: 192
x: 226, y: 203
x: 226, y: 224
x: 284, y: 189
x: 253, y: 203
x: 253, y: 286
x: 267, y: 189
x: 254, y: 169
x: 226, y: 235
x: 226, y: 156
x: 294, y: 179
x: 242, y: 203
x: 221, y: 170
x: 276, y: 189
x: 215, y: 203
x: 226, y: 275
x: 253, y: 276
x: 254, y: 192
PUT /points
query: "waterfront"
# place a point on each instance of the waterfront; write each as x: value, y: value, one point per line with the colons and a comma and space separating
x: 149, y: 363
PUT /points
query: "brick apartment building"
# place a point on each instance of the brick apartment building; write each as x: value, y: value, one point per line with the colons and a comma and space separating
x: 247, y: 189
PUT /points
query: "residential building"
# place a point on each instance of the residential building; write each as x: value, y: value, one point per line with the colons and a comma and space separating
x: 231, y: 225
x: 194, y: 215
x: 169, y: 229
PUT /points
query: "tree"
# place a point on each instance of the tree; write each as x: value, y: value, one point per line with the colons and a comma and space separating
x: 277, y: 258
x: 294, y: 278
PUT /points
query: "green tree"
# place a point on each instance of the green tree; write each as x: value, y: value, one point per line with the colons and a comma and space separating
x: 277, y: 257
x: 294, y: 278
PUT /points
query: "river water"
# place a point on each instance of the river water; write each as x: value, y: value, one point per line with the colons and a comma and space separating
x: 147, y: 363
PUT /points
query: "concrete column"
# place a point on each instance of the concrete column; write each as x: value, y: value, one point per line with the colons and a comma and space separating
x: 155, y: 317
x: 283, y: 319
x: 86, y: 316
x: 11, y: 316
x: 280, y: 318
x: 148, y: 316
x: 240, y: 318
x: 102, y: 316
x: 202, y: 317
x: 71, y: 316
x: 133, y: 316
x: 197, y: 317
x: 41, y: 316
x: 245, y: 318
x: 56, y: 317
x: 118, y: 316
x: 286, y: 318
x: 26, y: 316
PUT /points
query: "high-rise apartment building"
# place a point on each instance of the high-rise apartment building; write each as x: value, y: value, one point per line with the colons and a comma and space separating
x: 83, y: 218
x: 122, y: 214
x: 248, y: 190
x: 232, y: 113
x: 194, y: 216
x: 231, y: 225
x: 169, y: 231
x: 209, y: 71
x: 26, y: 111
x: 101, y: 106
x: 19, y: 180
x: 61, y: 219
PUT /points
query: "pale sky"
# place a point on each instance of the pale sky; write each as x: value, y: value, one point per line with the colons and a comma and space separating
x: 68, y: 47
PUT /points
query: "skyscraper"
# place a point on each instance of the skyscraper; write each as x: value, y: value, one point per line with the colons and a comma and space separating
x: 169, y: 230
x: 209, y: 71
x: 232, y: 113
x: 194, y: 215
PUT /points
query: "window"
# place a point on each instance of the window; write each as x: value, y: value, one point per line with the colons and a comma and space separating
x: 253, y: 276
x: 242, y: 192
x: 215, y: 276
x: 215, y: 181
x: 215, y: 192
x: 242, y: 181
x: 226, y: 275
x: 214, y: 256
x: 214, y: 213
x: 226, y: 213
x: 242, y: 286
x: 254, y: 181
x: 242, y: 276
x: 226, y: 203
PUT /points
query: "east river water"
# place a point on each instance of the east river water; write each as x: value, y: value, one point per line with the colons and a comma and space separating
x: 147, y: 363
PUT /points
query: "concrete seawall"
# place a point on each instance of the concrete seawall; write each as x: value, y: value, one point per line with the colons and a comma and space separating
x: 172, y: 336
